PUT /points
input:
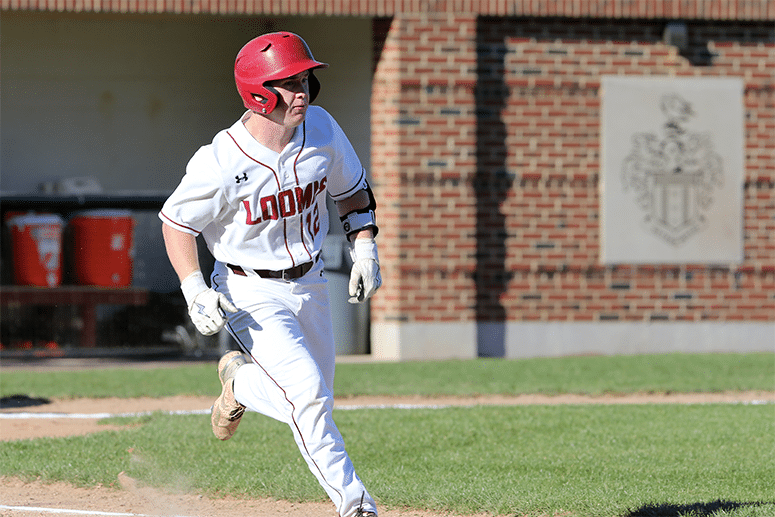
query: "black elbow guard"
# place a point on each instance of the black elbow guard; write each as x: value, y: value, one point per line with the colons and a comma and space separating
x: 361, y: 218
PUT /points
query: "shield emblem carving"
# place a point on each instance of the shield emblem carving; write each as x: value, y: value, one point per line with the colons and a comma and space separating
x: 673, y: 177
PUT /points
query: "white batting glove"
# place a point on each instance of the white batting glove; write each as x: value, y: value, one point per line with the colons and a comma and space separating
x: 365, y: 277
x: 206, y: 306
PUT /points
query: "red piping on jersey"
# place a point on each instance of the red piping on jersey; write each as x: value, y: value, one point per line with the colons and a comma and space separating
x: 303, y: 141
x: 285, y: 238
x: 178, y: 224
x: 276, y: 178
x: 301, y: 235
x: 295, y: 161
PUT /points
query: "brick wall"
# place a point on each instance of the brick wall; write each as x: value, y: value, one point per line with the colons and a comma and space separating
x: 423, y: 162
x: 486, y: 158
x: 659, y: 9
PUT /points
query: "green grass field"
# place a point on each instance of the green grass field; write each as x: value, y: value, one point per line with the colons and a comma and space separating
x: 584, y: 375
x: 575, y: 460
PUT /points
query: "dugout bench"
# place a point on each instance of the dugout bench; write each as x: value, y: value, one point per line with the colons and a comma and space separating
x: 87, y: 298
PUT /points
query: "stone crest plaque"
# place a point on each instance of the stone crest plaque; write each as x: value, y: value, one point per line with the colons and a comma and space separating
x: 672, y: 155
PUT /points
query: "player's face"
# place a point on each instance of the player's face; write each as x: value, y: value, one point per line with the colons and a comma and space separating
x: 294, y: 99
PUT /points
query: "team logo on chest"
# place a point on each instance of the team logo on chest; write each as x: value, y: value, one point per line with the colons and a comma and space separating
x: 286, y: 203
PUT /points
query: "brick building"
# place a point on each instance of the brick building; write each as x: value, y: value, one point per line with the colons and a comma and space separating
x: 485, y: 157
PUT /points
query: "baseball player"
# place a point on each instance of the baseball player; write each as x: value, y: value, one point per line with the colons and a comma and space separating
x: 257, y: 194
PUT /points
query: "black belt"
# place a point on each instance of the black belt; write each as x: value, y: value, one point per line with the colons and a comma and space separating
x: 286, y: 274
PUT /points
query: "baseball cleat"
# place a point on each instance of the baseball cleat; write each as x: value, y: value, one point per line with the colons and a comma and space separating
x: 226, y: 412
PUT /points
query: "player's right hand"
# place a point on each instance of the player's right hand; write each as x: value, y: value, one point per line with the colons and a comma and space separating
x: 206, y: 306
x: 208, y: 311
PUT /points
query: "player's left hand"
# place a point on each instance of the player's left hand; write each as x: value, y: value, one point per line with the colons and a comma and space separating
x: 365, y: 277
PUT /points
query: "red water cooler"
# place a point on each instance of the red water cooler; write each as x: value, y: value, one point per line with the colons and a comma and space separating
x: 101, y: 243
x: 36, y: 243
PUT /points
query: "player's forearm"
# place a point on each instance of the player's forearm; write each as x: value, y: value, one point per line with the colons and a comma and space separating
x: 366, y: 233
x: 181, y: 250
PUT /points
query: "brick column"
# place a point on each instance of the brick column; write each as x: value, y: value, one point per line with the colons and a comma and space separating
x: 423, y: 162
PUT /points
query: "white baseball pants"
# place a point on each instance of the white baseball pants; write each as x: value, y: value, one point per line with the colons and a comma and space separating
x: 286, y: 329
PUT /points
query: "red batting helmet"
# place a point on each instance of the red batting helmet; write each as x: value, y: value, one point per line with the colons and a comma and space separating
x: 273, y: 56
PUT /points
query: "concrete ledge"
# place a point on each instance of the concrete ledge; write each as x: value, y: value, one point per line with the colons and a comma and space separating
x: 615, y: 338
x: 413, y: 341
x: 417, y: 341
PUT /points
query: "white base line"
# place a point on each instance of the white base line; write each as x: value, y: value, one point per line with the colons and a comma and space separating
x: 22, y: 416
x: 72, y: 512
x: 98, y: 416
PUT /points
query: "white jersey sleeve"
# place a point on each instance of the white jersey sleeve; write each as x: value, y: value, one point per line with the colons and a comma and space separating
x: 346, y: 174
x: 199, y: 197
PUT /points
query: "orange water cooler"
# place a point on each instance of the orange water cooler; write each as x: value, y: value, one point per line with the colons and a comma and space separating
x: 101, y: 243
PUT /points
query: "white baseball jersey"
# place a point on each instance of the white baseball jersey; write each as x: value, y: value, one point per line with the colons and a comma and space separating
x: 263, y: 210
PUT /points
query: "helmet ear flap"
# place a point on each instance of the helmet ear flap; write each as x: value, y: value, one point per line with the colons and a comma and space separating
x: 314, y: 87
x: 263, y: 100
x: 272, y: 99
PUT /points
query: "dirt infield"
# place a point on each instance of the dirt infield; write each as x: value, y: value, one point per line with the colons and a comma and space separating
x: 37, y: 499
